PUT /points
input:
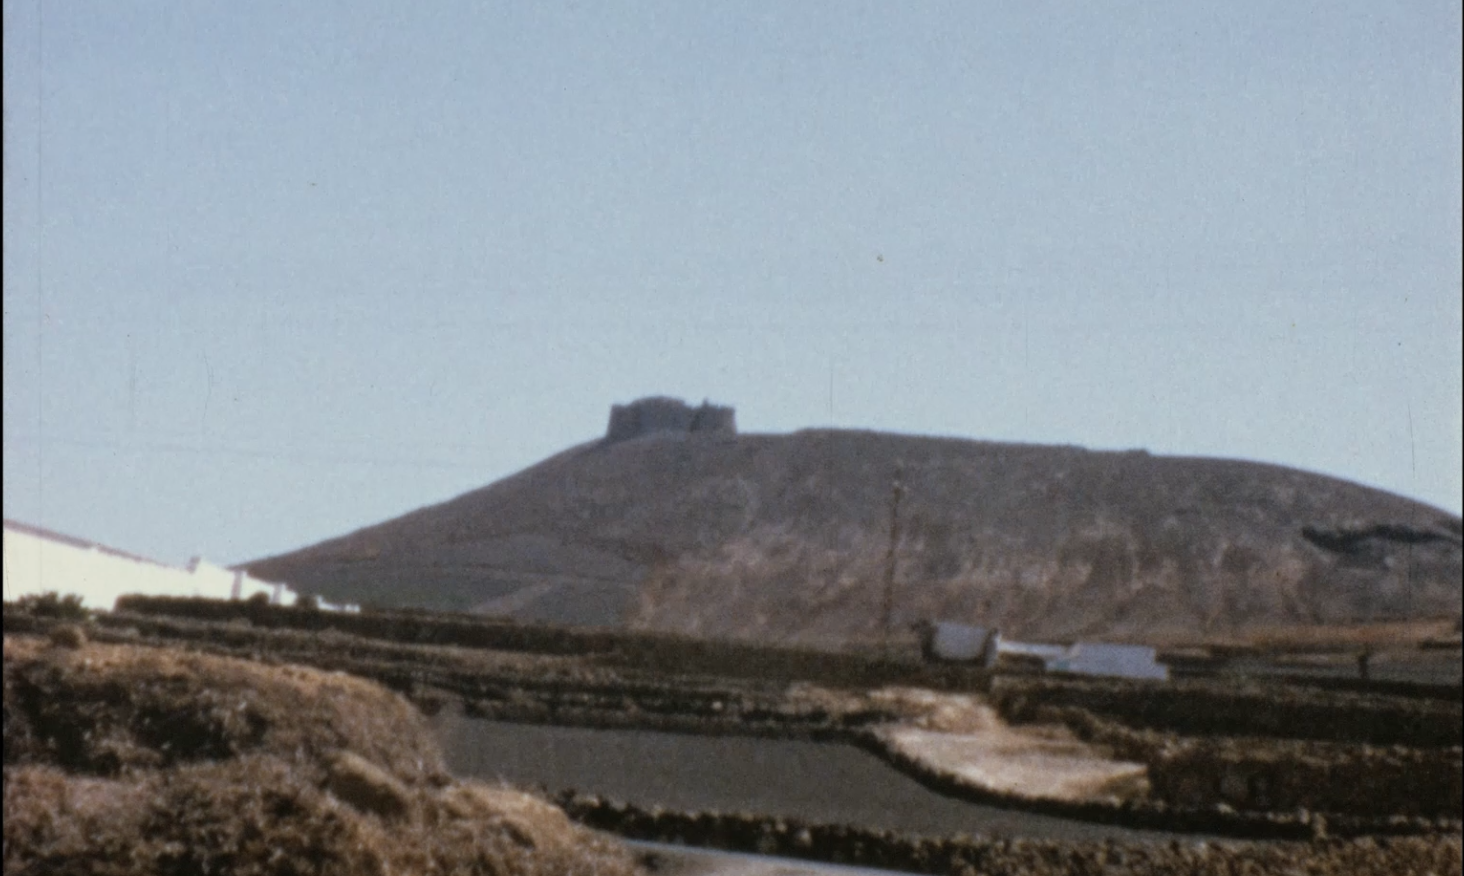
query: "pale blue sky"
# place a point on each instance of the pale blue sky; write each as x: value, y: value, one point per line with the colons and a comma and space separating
x: 277, y: 271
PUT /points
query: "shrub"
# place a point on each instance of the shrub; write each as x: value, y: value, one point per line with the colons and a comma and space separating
x: 52, y: 604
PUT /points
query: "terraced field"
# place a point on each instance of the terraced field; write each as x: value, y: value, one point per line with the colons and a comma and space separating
x: 808, y: 755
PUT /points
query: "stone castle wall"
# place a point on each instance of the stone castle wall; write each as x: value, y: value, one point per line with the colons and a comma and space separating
x: 661, y: 414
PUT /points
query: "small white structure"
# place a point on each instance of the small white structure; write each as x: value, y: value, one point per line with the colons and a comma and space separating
x: 1122, y: 661
x: 963, y: 643
x: 39, y: 561
x: 1045, y: 653
x: 959, y: 643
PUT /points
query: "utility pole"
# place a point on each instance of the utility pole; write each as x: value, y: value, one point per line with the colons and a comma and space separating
x: 887, y: 609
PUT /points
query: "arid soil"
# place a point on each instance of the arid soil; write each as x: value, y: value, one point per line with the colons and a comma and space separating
x: 961, y: 735
x: 1382, y: 770
x: 783, y: 539
x: 1217, y: 752
x: 817, y: 782
x: 1030, y: 763
x: 980, y: 856
x: 123, y: 759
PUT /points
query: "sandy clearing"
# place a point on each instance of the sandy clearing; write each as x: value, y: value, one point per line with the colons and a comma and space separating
x: 1011, y: 762
x: 961, y: 736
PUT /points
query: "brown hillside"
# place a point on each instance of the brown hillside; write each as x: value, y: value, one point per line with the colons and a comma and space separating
x: 783, y: 538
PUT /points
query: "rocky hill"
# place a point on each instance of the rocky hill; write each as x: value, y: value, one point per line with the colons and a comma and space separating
x: 676, y: 522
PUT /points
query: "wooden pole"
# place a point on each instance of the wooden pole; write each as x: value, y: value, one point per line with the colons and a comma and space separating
x: 887, y: 609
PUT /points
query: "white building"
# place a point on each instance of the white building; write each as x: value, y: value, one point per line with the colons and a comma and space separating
x: 962, y: 643
x: 39, y: 561
x: 1121, y: 661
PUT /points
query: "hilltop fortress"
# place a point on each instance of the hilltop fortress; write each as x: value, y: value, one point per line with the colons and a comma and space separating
x: 662, y: 414
x: 675, y: 521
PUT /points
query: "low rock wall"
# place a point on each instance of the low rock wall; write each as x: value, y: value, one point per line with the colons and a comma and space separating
x: 1210, y: 708
x: 849, y: 844
x: 560, y: 692
x: 649, y: 652
x: 1209, y: 814
x: 1261, y: 774
x: 1358, y: 780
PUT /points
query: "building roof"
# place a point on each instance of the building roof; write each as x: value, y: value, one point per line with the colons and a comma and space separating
x: 72, y: 541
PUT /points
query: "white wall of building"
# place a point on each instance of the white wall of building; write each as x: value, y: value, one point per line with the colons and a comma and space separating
x: 1122, y: 661
x: 964, y: 643
x: 37, y: 562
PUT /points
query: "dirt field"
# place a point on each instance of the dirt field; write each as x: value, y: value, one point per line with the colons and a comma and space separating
x: 1030, y: 763
x: 964, y: 737
x: 192, y: 745
x: 816, y: 782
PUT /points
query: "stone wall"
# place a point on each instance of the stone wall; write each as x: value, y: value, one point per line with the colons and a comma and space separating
x: 1228, y: 708
x: 1255, y: 774
x: 1264, y: 775
x: 859, y: 846
x: 661, y: 414
x: 1216, y: 787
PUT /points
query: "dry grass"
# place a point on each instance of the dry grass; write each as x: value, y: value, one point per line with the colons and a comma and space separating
x: 256, y: 815
x: 130, y: 760
x: 102, y: 709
